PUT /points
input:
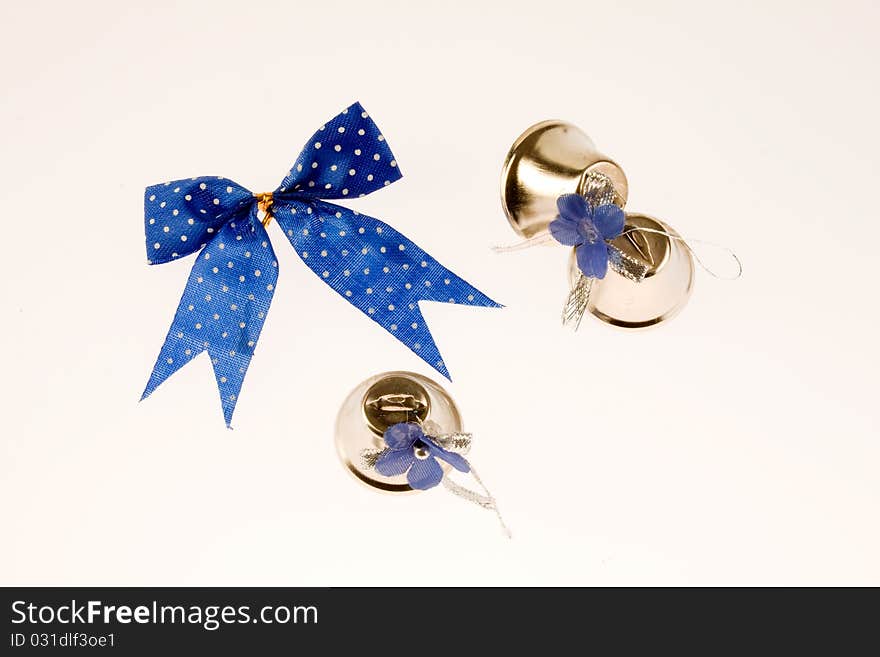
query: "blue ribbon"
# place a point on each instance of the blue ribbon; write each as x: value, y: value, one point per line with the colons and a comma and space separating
x: 372, y: 266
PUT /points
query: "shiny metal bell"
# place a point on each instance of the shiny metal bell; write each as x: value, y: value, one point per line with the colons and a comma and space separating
x: 554, y: 158
x: 665, y: 290
x: 378, y: 403
x: 548, y: 160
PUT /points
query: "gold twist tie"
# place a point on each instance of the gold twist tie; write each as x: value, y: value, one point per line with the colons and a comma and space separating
x: 264, y: 203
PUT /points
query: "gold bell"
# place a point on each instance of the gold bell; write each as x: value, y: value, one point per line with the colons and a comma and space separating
x: 378, y: 403
x: 553, y: 158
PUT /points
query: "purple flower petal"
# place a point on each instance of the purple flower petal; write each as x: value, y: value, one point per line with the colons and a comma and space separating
x: 573, y: 207
x: 424, y: 474
x: 395, y: 462
x: 592, y: 259
x: 402, y: 435
x: 457, y: 461
x: 565, y: 231
x: 609, y: 220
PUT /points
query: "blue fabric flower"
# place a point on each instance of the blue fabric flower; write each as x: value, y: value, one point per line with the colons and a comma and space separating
x: 411, y: 451
x: 587, y: 229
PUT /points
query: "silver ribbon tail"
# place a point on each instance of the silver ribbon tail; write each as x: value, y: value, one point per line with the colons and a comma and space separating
x: 599, y: 190
x: 484, y: 500
x: 460, y: 443
x: 577, y: 302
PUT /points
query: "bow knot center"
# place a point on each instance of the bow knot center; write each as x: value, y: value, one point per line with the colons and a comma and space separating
x: 264, y: 205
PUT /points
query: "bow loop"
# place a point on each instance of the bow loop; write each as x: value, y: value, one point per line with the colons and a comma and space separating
x: 230, y: 287
x: 182, y: 215
x: 347, y: 157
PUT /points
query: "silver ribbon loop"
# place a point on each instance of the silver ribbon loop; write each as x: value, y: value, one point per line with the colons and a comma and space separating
x: 599, y: 190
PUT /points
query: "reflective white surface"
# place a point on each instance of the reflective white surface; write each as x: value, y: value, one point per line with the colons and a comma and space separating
x: 736, y: 444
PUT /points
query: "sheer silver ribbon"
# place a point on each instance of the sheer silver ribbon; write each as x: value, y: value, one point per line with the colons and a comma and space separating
x: 460, y: 443
x: 599, y: 190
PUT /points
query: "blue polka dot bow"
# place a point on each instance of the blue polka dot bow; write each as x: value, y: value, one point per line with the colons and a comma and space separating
x: 372, y: 266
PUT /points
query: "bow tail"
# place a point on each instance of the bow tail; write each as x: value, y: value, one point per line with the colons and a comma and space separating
x: 223, y: 308
x: 375, y: 268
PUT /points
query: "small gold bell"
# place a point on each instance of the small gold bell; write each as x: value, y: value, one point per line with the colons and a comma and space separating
x: 548, y: 160
x: 663, y: 292
x: 380, y: 402
x: 553, y: 158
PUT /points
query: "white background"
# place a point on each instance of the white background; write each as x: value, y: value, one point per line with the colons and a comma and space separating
x: 736, y: 444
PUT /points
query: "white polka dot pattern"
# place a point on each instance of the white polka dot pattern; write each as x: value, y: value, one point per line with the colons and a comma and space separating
x: 181, y: 216
x: 376, y: 269
x: 346, y: 158
x: 230, y: 288
x: 223, y: 308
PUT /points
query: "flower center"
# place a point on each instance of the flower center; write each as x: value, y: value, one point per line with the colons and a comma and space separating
x: 421, y: 451
x: 589, y: 231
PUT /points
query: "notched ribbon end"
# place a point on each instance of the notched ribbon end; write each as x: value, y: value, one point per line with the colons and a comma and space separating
x: 230, y: 288
x: 151, y: 386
